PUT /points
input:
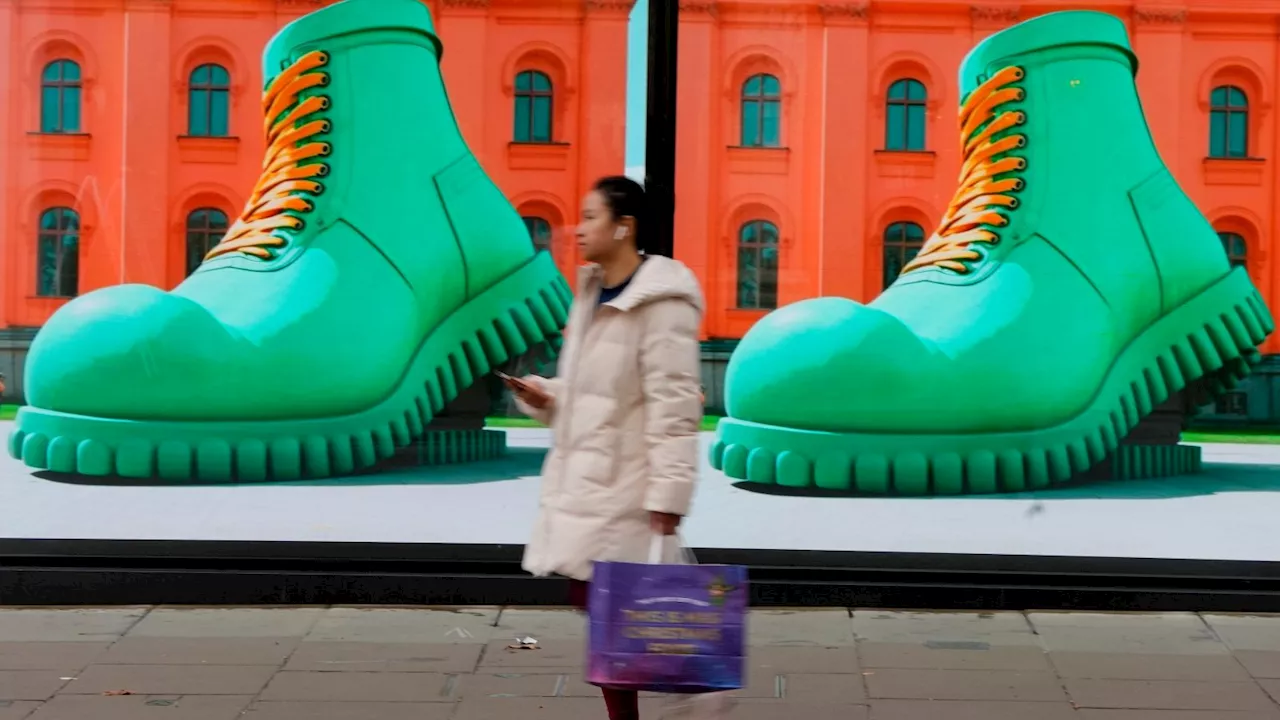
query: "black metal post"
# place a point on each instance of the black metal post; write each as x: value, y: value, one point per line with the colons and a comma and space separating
x: 660, y: 127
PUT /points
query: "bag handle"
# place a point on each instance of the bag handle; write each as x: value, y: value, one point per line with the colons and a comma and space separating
x: 656, y: 544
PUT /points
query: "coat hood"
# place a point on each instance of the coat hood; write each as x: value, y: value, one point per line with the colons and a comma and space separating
x: 658, y: 278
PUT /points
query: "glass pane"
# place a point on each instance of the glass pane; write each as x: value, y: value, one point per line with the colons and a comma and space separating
x: 69, y: 220
x: 1217, y: 134
x: 69, y: 276
x: 915, y: 90
x: 198, y: 114
x: 541, y: 82
x: 1236, y: 97
x: 200, y: 76
x: 219, y: 76
x: 750, y: 123
x: 915, y: 127
x: 772, y: 121
x: 748, y: 290
x: 47, y: 266
x: 892, y: 265
x: 49, y: 110
x: 769, y: 235
x: 895, y: 136
x: 914, y: 233
x: 218, y: 220
x: 749, y: 233
x: 898, y: 90
x: 522, y: 119
x: 49, y: 220
x: 524, y: 81
x: 71, y: 109
x: 752, y: 87
x: 542, y: 119
x: 219, y: 113
x: 771, y: 85
x: 1237, y: 134
x: 52, y: 71
x: 1218, y: 97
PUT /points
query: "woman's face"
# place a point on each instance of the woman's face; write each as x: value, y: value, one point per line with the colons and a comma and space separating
x: 597, y: 232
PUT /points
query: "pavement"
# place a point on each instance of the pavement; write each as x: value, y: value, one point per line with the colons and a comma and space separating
x: 345, y: 663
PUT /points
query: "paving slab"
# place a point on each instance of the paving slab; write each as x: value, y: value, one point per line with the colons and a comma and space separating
x: 1167, y: 695
x: 295, y: 710
x: 360, y: 687
x: 407, y: 625
x: 977, y: 630
x: 776, y: 710
x: 541, y: 624
x: 1259, y: 663
x: 970, y: 710
x: 226, y: 622
x: 964, y: 685
x: 17, y: 709
x: 1092, y: 714
x: 553, y: 656
x: 1155, y: 633
x: 134, y: 650
x: 1246, y: 632
x: 544, y: 709
x: 30, y: 684
x: 143, y: 707
x: 385, y: 657
x: 952, y: 655
x: 1136, y: 666
x: 67, y: 625
x: 800, y: 628
x: 171, y: 679
x: 781, y: 660
x: 67, y: 657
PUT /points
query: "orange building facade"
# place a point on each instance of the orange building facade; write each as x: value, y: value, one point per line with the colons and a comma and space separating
x: 816, y: 143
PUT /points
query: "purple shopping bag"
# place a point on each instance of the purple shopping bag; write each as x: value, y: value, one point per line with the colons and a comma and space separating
x: 667, y: 628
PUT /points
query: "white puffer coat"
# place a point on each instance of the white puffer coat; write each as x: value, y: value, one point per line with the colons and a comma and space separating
x: 625, y: 416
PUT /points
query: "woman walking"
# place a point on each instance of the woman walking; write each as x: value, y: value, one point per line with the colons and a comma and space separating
x: 625, y: 406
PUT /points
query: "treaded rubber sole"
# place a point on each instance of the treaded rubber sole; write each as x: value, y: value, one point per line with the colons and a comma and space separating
x: 528, y: 307
x: 1214, y: 337
x: 451, y: 447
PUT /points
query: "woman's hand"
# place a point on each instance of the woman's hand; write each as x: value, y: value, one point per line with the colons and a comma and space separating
x: 664, y: 523
x: 530, y: 392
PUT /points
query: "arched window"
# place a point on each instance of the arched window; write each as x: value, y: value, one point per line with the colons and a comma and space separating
x: 61, y: 87
x: 1228, y: 122
x: 761, y: 111
x: 58, y: 253
x: 539, y: 232
x: 205, y: 228
x: 902, y: 242
x: 1237, y: 250
x: 758, y: 265
x: 209, y: 108
x: 533, y: 107
x: 904, y: 116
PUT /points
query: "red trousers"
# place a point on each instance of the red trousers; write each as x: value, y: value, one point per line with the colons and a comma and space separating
x: 622, y: 704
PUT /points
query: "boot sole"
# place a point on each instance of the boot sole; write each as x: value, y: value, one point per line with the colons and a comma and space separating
x: 1213, y: 336
x: 528, y: 307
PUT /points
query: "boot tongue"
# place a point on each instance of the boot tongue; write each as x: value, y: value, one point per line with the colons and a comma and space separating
x: 344, y: 18
x: 1055, y: 30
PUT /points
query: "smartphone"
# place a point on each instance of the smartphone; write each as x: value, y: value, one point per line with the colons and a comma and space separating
x: 512, y: 382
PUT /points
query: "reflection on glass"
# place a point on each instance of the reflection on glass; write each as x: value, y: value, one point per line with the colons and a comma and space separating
x: 761, y: 113
x: 205, y: 228
x: 1237, y: 250
x: 758, y: 265
x: 534, y: 97
x: 58, y: 253
x: 60, y: 89
x: 1228, y: 123
x: 905, y: 116
x: 208, y: 107
x: 539, y: 232
x: 902, y: 242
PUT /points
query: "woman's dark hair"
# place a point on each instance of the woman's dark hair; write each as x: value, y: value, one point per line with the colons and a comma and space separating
x: 625, y: 198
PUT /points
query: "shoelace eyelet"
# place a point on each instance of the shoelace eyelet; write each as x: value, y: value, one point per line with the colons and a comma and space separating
x: 326, y: 149
x: 323, y: 170
x: 326, y: 127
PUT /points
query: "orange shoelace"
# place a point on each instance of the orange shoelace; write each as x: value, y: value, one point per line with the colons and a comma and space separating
x: 284, y: 176
x: 980, y: 195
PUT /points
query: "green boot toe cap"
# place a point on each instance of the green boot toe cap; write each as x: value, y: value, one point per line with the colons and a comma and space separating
x: 827, y: 364
x: 136, y: 352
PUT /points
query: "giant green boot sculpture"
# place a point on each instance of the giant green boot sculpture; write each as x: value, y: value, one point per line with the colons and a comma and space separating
x: 1069, y: 288
x: 374, y: 273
